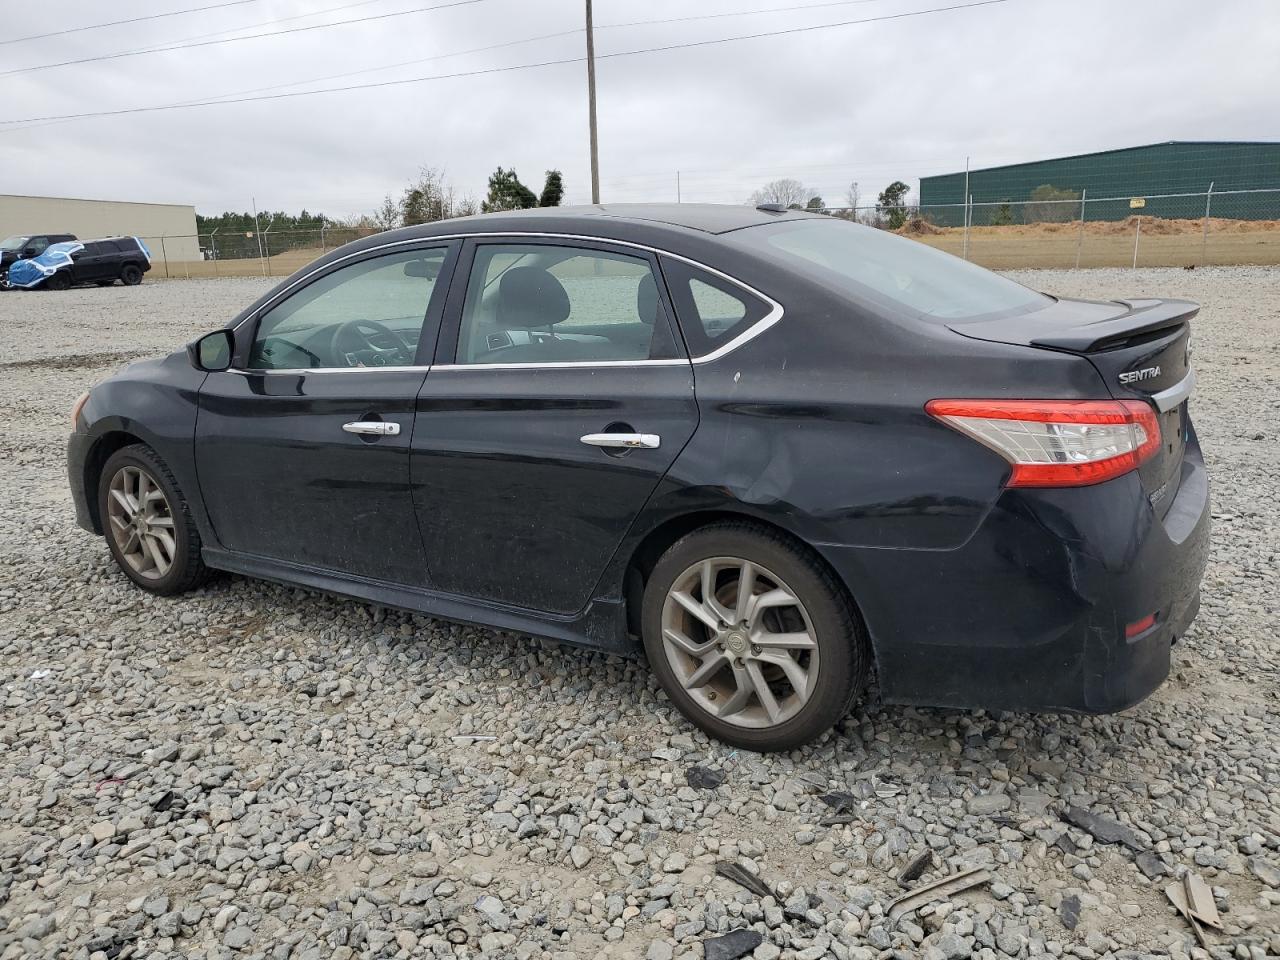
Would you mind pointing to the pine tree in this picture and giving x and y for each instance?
(552, 190)
(506, 192)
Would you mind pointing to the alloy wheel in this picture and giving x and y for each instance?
(141, 520)
(740, 642)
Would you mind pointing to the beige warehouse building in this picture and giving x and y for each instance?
(169, 229)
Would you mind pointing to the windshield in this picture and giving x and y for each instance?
(878, 265)
(13, 243)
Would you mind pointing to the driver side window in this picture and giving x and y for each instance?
(368, 314)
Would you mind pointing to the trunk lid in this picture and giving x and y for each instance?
(1140, 348)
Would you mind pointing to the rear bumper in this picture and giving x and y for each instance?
(1030, 613)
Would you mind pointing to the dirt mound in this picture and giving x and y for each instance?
(918, 227)
(1109, 228)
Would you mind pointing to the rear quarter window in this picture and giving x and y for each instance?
(712, 310)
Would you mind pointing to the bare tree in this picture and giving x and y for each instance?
(787, 192)
(386, 217)
(427, 199)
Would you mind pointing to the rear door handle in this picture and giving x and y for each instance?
(373, 428)
(628, 441)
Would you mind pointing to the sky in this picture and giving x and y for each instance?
(848, 102)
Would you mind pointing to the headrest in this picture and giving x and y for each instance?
(530, 297)
(647, 300)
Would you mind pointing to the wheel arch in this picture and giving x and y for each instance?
(656, 542)
(100, 452)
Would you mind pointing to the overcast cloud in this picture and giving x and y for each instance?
(1019, 80)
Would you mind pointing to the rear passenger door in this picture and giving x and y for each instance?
(559, 398)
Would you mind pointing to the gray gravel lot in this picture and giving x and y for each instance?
(257, 771)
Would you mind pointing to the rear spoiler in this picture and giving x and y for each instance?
(1143, 319)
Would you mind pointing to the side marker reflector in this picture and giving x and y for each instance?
(1140, 626)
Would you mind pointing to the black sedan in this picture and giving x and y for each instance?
(773, 449)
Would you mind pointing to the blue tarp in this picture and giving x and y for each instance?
(30, 273)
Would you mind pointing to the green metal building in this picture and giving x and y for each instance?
(1110, 178)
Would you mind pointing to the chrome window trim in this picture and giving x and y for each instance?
(760, 326)
(561, 365)
(1167, 400)
(297, 371)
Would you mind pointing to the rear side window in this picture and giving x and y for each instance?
(545, 303)
(712, 310)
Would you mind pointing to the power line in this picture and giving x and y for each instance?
(253, 36)
(252, 26)
(510, 68)
(118, 23)
(524, 40)
(739, 13)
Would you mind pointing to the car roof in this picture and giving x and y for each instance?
(711, 218)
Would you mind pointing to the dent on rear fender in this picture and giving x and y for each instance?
(829, 471)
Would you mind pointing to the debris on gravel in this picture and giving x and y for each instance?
(1103, 828)
(258, 771)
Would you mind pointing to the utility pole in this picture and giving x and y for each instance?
(677, 186)
(591, 103)
(257, 232)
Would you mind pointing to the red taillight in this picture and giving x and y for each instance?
(1058, 443)
(1140, 626)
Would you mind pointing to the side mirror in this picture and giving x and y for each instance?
(77, 255)
(212, 353)
(28, 253)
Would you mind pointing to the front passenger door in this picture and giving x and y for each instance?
(303, 446)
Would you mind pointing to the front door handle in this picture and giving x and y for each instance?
(627, 441)
(373, 428)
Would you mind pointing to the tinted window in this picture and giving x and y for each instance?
(712, 310)
(882, 266)
(538, 303)
(96, 248)
(38, 245)
(368, 314)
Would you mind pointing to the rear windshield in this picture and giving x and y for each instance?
(881, 266)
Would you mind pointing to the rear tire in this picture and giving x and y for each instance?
(58, 281)
(147, 523)
(131, 275)
(770, 673)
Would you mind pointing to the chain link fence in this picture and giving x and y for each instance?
(1173, 229)
(267, 253)
(1169, 230)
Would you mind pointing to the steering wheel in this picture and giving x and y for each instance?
(350, 337)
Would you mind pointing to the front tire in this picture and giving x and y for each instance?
(58, 281)
(147, 523)
(752, 637)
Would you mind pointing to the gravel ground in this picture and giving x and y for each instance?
(256, 771)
